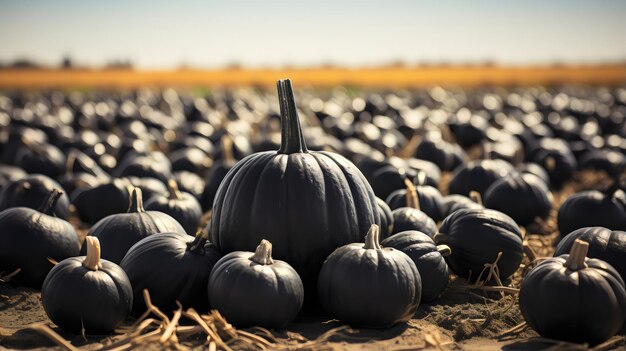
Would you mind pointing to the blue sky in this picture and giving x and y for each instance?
(166, 34)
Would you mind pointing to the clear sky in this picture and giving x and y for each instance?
(166, 34)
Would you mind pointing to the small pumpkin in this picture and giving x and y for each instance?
(369, 286)
(593, 208)
(555, 156)
(454, 202)
(29, 237)
(119, 232)
(430, 199)
(87, 293)
(253, 289)
(574, 298)
(604, 244)
(173, 268)
(411, 217)
(523, 197)
(42, 158)
(31, 192)
(183, 207)
(478, 237)
(478, 175)
(103, 200)
(428, 258)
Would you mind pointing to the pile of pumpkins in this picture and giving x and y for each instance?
(298, 229)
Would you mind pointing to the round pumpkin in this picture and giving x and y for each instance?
(574, 298)
(430, 200)
(31, 192)
(478, 175)
(253, 289)
(183, 207)
(106, 199)
(369, 286)
(87, 293)
(477, 237)
(306, 203)
(411, 217)
(173, 268)
(428, 258)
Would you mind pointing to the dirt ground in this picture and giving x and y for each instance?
(462, 319)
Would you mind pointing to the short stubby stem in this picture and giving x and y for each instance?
(263, 253)
(92, 260)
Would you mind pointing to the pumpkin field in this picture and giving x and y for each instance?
(484, 217)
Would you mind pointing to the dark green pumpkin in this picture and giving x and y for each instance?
(476, 237)
(574, 298)
(119, 232)
(604, 244)
(369, 286)
(253, 289)
(306, 203)
(87, 293)
(172, 267)
(29, 237)
(428, 258)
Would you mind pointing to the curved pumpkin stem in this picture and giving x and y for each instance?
(372, 239)
(227, 149)
(292, 140)
(48, 205)
(577, 255)
(444, 250)
(92, 260)
(412, 200)
(263, 253)
(475, 195)
(172, 187)
(197, 244)
(136, 201)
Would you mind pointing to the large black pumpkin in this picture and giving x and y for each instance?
(428, 258)
(593, 208)
(476, 237)
(119, 232)
(523, 197)
(183, 207)
(172, 267)
(306, 203)
(29, 237)
(367, 285)
(31, 192)
(604, 244)
(86, 293)
(574, 298)
(253, 289)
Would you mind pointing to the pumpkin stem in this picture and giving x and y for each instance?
(172, 187)
(48, 205)
(412, 200)
(263, 253)
(475, 195)
(550, 163)
(292, 140)
(372, 238)
(69, 164)
(577, 255)
(421, 178)
(92, 260)
(444, 250)
(197, 244)
(227, 149)
(487, 150)
(136, 201)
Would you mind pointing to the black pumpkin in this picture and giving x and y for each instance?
(522, 197)
(478, 176)
(217, 173)
(536, 169)
(386, 218)
(31, 192)
(366, 285)
(593, 208)
(411, 217)
(190, 183)
(477, 237)
(307, 203)
(41, 158)
(29, 237)
(454, 202)
(574, 298)
(604, 244)
(103, 200)
(430, 200)
(183, 207)
(86, 293)
(173, 268)
(150, 187)
(428, 258)
(253, 289)
(9, 174)
(153, 165)
(555, 156)
(612, 162)
(119, 232)
(190, 159)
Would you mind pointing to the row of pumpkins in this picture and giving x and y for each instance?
(366, 261)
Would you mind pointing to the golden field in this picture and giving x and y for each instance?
(318, 77)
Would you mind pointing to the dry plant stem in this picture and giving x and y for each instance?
(172, 187)
(52, 335)
(614, 341)
(409, 149)
(412, 200)
(530, 253)
(514, 330)
(171, 326)
(7, 278)
(92, 260)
